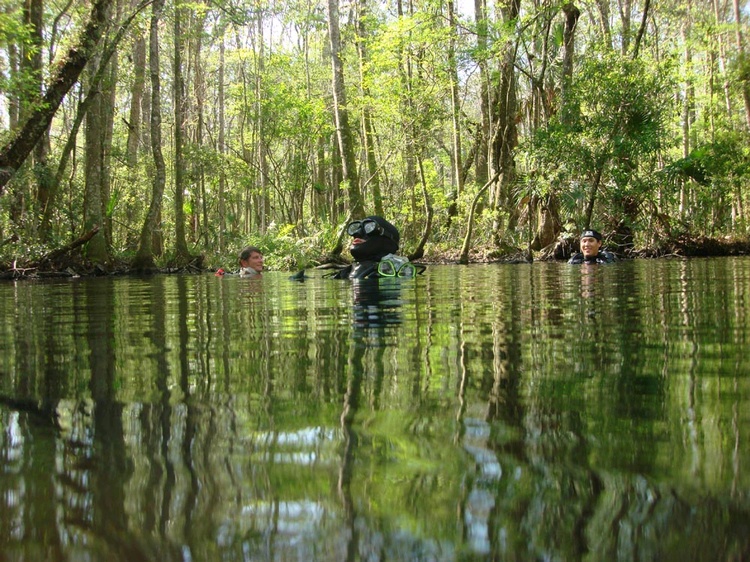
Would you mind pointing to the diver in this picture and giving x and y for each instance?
(591, 252)
(374, 245)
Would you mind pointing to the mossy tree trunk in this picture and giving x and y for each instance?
(144, 259)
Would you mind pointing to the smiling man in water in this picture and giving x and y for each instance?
(591, 252)
(251, 262)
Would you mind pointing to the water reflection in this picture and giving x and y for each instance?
(472, 413)
(376, 304)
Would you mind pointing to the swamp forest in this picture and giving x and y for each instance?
(145, 134)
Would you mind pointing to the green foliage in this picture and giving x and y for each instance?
(740, 67)
(283, 248)
(621, 110)
(112, 204)
(727, 159)
(623, 104)
(20, 82)
(713, 173)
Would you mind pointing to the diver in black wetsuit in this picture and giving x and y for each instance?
(591, 252)
(374, 245)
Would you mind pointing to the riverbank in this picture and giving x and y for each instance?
(71, 264)
(684, 247)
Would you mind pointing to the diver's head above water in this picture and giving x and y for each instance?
(372, 238)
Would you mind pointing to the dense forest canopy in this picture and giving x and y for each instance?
(172, 129)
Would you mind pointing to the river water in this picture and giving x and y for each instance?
(486, 412)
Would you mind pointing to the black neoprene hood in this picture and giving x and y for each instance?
(376, 246)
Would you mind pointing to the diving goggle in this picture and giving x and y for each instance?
(398, 268)
(367, 227)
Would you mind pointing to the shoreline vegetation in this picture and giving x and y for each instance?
(487, 132)
(69, 261)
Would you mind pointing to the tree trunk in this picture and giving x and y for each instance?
(741, 53)
(723, 61)
(687, 109)
(200, 209)
(341, 114)
(482, 159)
(429, 213)
(263, 207)
(99, 127)
(14, 65)
(319, 199)
(221, 149)
(317, 144)
(604, 24)
(181, 249)
(93, 207)
(455, 103)
(15, 152)
(135, 129)
(505, 137)
(548, 227)
(589, 214)
(109, 98)
(136, 99)
(571, 20)
(42, 171)
(368, 129)
(625, 7)
(642, 28)
(144, 259)
(466, 246)
(145, 129)
(410, 156)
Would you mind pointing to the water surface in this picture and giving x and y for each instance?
(486, 412)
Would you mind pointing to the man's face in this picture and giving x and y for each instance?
(255, 261)
(590, 246)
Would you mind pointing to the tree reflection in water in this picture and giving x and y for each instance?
(515, 413)
(375, 307)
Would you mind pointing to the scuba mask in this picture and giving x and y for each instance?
(391, 268)
(398, 266)
(366, 228)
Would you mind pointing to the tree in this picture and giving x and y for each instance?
(483, 128)
(571, 21)
(15, 152)
(144, 258)
(455, 101)
(35, 11)
(82, 109)
(181, 249)
(623, 105)
(137, 88)
(271, 136)
(341, 114)
(200, 210)
(745, 72)
(505, 135)
(368, 129)
(221, 148)
(96, 177)
(99, 125)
